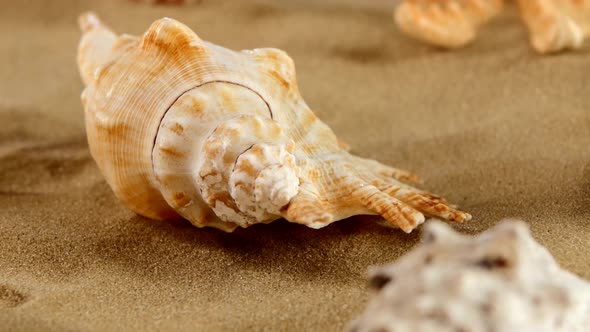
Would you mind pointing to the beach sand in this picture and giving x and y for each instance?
(493, 127)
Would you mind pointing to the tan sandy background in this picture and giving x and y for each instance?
(493, 127)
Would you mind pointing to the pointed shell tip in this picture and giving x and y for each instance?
(88, 20)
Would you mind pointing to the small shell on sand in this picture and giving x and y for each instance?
(501, 280)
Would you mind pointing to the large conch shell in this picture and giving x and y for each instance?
(445, 23)
(554, 25)
(182, 127)
(501, 280)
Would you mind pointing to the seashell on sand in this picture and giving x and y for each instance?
(556, 25)
(181, 127)
(501, 280)
(445, 23)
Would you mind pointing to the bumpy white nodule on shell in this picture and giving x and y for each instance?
(501, 280)
(182, 127)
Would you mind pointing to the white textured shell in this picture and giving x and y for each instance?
(501, 280)
(182, 127)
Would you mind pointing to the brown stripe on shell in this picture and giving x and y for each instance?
(247, 167)
(165, 32)
(193, 105)
(177, 128)
(113, 131)
(279, 77)
(171, 151)
(181, 200)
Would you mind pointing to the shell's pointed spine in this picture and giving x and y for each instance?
(95, 46)
(167, 32)
(88, 21)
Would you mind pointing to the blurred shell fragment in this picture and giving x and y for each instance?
(445, 23)
(556, 25)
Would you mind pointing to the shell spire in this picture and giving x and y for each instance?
(95, 47)
(181, 127)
